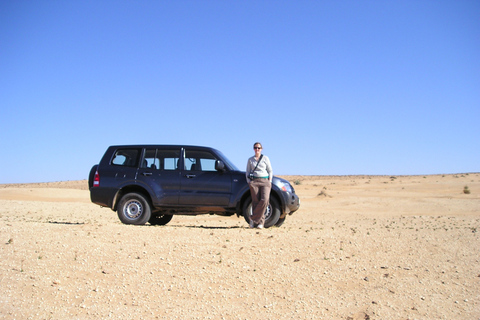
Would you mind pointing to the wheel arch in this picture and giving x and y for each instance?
(128, 189)
(273, 193)
(277, 197)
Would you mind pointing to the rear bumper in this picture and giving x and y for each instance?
(102, 196)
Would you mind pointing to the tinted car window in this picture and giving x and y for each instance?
(160, 159)
(199, 161)
(168, 159)
(126, 157)
(150, 160)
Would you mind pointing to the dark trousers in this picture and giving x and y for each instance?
(260, 191)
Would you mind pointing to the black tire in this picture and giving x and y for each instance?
(159, 219)
(133, 208)
(280, 222)
(271, 215)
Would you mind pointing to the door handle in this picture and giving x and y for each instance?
(147, 173)
(190, 176)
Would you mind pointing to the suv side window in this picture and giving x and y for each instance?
(126, 157)
(151, 160)
(161, 159)
(199, 161)
(169, 158)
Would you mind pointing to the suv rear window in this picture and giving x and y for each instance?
(126, 157)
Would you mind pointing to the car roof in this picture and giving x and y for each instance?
(161, 146)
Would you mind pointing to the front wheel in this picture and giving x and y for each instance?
(280, 222)
(272, 214)
(133, 208)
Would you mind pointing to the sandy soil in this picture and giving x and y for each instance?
(360, 247)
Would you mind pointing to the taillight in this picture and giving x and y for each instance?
(96, 179)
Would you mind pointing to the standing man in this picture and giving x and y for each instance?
(259, 177)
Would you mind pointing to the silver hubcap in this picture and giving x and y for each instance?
(133, 209)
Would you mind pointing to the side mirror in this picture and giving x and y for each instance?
(219, 165)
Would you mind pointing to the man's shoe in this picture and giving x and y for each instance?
(260, 226)
(251, 224)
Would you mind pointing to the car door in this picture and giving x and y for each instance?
(159, 172)
(201, 184)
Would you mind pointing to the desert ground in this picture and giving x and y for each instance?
(360, 247)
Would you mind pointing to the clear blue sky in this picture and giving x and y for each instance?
(328, 87)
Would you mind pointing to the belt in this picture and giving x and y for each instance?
(260, 177)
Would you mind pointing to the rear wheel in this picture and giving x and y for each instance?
(271, 214)
(159, 219)
(133, 208)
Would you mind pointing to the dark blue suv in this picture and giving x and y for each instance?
(151, 183)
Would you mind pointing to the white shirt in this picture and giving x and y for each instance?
(264, 168)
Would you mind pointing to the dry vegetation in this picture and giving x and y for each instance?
(360, 247)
